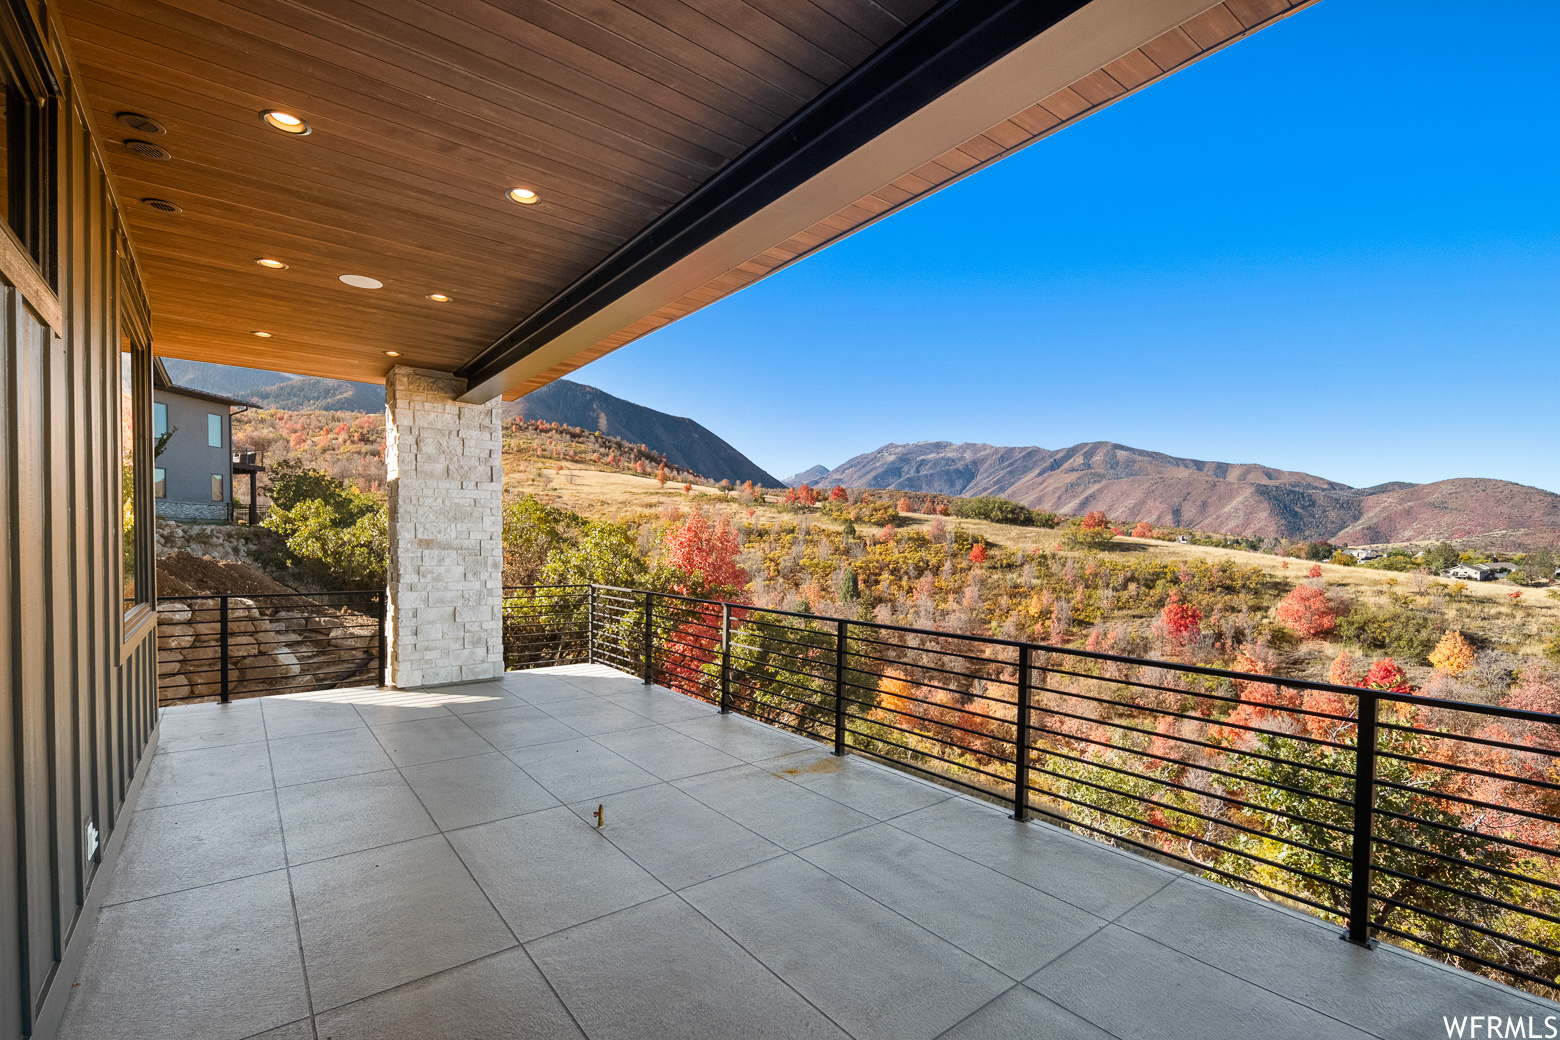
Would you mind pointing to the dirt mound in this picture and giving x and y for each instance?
(181, 574)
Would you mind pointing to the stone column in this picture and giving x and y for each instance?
(446, 479)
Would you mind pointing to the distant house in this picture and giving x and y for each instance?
(1181, 539)
(1363, 554)
(192, 478)
(1470, 572)
(1501, 570)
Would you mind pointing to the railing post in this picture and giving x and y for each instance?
(725, 658)
(222, 643)
(1021, 739)
(590, 626)
(384, 656)
(841, 637)
(649, 628)
(1364, 819)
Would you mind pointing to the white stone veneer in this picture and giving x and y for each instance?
(445, 470)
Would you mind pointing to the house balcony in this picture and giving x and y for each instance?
(370, 863)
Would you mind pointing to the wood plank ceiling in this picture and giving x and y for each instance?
(423, 116)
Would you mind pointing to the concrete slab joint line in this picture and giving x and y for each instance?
(445, 502)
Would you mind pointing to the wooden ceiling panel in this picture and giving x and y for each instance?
(424, 112)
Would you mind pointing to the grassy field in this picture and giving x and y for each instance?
(1519, 627)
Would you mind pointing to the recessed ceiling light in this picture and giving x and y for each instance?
(438, 297)
(275, 265)
(392, 353)
(524, 196)
(286, 122)
(262, 335)
(362, 281)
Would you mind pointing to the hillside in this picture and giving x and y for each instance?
(1247, 499)
(684, 442)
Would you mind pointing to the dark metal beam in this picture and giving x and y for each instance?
(952, 42)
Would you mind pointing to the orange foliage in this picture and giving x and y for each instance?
(1143, 530)
(978, 554)
(1307, 611)
(1453, 654)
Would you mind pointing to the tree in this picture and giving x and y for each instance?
(1308, 611)
(838, 494)
(1386, 675)
(1180, 622)
(978, 553)
(850, 587)
(1453, 655)
(995, 510)
(708, 553)
(1344, 670)
(330, 525)
(904, 505)
(660, 475)
(1314, 572)
(1343, 559)
(1441, 556)
(1143, 530)
(1092, 532)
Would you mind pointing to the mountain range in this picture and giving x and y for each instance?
(1132, 484)
(684, 442)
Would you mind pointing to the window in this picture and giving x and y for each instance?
(159, 420)
(216, 487)
(135, 380)
(214, 430)
(26, 115)
(159, 483)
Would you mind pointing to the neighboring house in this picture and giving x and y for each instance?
(1363, 554)
(1181, 539)
(192, 478)
(1470, 572)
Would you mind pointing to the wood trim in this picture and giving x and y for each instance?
(19, 269)
(140, 622)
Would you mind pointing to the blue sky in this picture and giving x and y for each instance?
(1332, 247)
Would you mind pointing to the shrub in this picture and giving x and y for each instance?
(1395, 629)
(996, 510)
(1386, 675)
(1453, 654)
(330, 525)
(1143, 530)
(1343, 559)
(1308, 611)
(1092, 532)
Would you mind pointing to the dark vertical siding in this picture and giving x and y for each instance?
(80, 701)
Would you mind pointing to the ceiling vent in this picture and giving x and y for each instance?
(148, 150)
(162, 205)
(141, 124)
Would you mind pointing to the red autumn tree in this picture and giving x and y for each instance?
(978, 554)
(1344, 670)
(1143, 530)
(707, 552)
(1386, 675)
(1095, 521)
(687, 488)
(1308, 612)
(1315, 571)
(888, 533)
(904, 506)
(660, 475)
(838, 494)
(1180, 622)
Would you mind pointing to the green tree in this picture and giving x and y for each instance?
(331, 526)
(994, 509)
(1441, 556)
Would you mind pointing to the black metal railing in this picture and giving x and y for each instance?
(1434, 824)
(237, 646)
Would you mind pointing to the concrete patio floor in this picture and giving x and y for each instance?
(389, 865)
